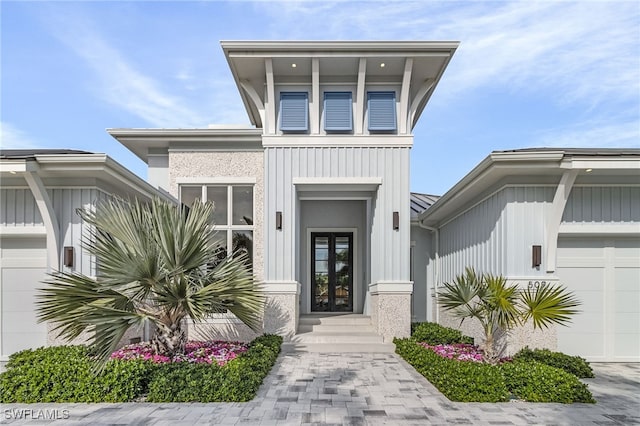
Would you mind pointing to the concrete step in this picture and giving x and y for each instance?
(333, 337)
(336, 319)
(336, 328)
(339, 348)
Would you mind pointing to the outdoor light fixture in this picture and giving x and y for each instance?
(396, 221)
(382, 65)
(293, 65)
(68, 256)
(279, 221)
(589, 170)
(536, 256)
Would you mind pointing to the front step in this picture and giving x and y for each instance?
(373, 348)
(337, 333)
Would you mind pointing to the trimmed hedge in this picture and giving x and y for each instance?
(467, 381)
(435, 334)
(537, 382)
(64, 374)
(571, 364)
(238, 380)
(457, 380)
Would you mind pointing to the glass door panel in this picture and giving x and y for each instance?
(332, 272)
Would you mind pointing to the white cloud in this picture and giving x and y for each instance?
(580, 51)
(117, 81)
(610, 134)
(13, 138)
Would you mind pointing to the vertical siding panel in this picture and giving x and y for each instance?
(616, 205)
(19, 207)
(3, 206)
(11, 213)
(634, 205)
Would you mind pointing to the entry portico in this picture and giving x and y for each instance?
(327, 163)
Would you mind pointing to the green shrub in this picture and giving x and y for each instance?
(458, 380)
(571, 364)
(435, 334)
(64, 374)
(238, 380)
(537, 382)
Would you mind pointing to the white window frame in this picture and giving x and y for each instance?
(229, 227)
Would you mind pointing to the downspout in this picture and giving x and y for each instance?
(436, 265)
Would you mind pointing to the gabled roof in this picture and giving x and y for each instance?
(536, 164)
(75, 164)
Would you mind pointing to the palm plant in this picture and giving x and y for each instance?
(500, 307)
(156, 264)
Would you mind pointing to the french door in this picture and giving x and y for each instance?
(332, 271)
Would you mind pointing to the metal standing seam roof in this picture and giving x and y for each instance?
(420, 203)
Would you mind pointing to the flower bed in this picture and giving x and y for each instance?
(460, 352)
(457, 351)
(210, 372)
(219, 352)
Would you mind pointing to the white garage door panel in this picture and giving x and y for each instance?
(23, 268)
(604, 273)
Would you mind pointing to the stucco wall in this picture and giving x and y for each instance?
(238, 164)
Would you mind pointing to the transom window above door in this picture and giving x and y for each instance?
(232, 216)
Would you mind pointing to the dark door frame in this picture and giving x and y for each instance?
(331, 270)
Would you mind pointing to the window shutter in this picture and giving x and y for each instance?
(294, 111)
(382, 111)
(337, 111)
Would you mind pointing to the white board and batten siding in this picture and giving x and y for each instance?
(23, 258)
(496, 234)
(284, 164)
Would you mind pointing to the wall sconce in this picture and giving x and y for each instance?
(68, 257)
(536, 256)
(279, 221)
(396, 221)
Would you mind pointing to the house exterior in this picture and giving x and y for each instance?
(316, 191)
(567, 216)
(318, 188)
(40, 231)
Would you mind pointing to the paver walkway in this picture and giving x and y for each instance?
(358, 389)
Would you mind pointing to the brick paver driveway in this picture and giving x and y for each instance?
(358, 389)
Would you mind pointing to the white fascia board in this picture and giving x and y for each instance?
(93, 164)
(538, 162)
(140, 141)
(311, 48)
(604, 163)
(16, 166)
(392, 141)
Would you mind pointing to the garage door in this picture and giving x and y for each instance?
(23, 264)
(604, 273)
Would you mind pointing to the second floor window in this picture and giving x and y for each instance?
(338, 115)
(294, 111)
(381, 107)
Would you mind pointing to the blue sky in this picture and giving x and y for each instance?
(554, 74)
